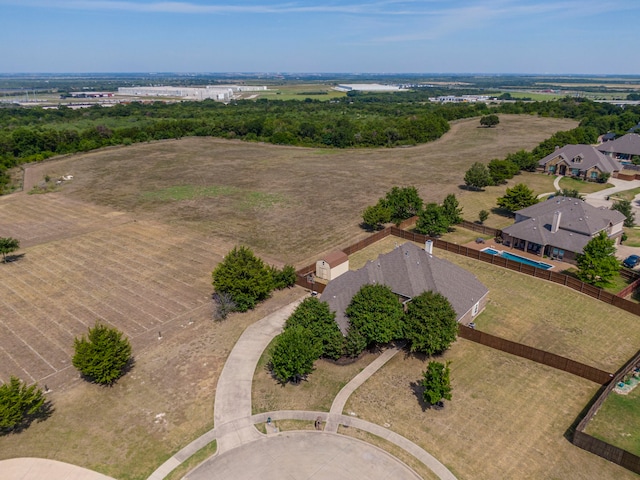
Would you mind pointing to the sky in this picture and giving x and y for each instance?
(347, 36)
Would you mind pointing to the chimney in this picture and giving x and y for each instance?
(428, 247)
(556, 221)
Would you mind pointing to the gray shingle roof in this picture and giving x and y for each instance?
(579, 221)
(629, 144)
(590, 157)
(409, 271)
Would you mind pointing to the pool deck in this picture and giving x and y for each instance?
(557, 265)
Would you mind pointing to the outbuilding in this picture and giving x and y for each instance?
(332, 265)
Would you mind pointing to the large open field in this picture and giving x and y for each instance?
(132, 240)
(287, 203)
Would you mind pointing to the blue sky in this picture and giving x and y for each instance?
(386, 36)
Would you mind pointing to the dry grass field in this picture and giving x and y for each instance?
(132, 241)
(507, 418)
(287, 203)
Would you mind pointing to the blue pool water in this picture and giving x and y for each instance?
(517, 258)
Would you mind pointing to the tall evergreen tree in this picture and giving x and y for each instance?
(103, 355)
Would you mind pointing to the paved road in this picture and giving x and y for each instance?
(41, 468)
(304, 456)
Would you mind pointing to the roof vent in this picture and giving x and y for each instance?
(406, 254)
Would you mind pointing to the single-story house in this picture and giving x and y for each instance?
(409, 271)
(582, 161)
(622, 148)
(332, 265)
(560, 227)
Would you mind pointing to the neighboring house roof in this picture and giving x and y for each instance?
(629, 144)
(583, 157)
(607, 137)
(579, 222)
(335, 258)
(409, 271)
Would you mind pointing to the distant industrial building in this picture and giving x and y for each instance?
(221, 93)
(367, 87)
(461, 99)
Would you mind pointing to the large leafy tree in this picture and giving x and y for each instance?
(403, 203)
(477, 177)
(502, 170)
(436, 381)
(524, 160)
(432, 221)
(375, 216)
(490, 120)
(244, 277)
(451, 209)
(375, 314)
(430, 323)
(8, 245)
(19, 404)
(518, 197)
(102, 355)
(597, 264)
(320, 322)
(624, 207)
(294, 352)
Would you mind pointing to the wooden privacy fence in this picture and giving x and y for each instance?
(535, 354)
(483, 229)
(560, 278)
(599, 447)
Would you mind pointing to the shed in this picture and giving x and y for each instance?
(332, 265)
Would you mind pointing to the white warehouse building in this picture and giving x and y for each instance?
(222, 94)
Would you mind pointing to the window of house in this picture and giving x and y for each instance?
(594, 174)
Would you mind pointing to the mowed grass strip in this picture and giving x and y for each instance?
(507, 418)
(582, 186)
(618, 421)
(316, 393)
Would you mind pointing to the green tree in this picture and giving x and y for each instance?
(430, 323)
(518, 197)
(477, 177)
(243, 276)
(570, 192)
(19, 404)
(320, 322)
(376, 314)
(8, 245)
(597, 264)
(284, 278)
(432, 221)
(490, 120)
(436, 381)
(375, 216)
(502, 170)
(482, 216)
(524, 160)
(103, 355)
(403, 203)
(451, 209)
(294, 352)
(624, 207)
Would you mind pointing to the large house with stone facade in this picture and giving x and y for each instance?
(622, 149)
(409, 271)
(580, 161)
(561, 227)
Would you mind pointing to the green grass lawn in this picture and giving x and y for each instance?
(626, 194)
(582, 186)
(618, 421)
(633, 237)
(472, 202)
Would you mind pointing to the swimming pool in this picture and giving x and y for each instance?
(517, 258)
